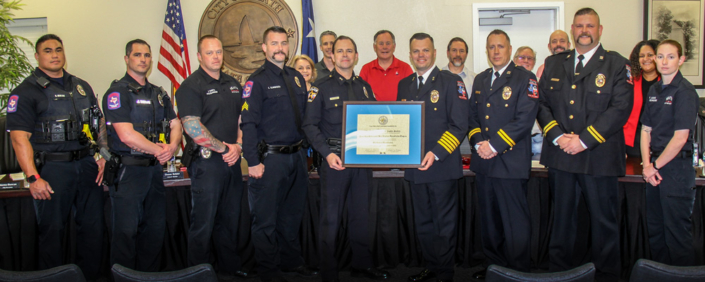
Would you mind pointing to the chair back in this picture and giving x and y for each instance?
(69, 272)
(648, 270)
(584, 273)
(198, 273)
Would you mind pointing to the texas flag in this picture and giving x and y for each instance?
(308, 46)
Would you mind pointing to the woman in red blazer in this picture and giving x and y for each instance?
(645, 74)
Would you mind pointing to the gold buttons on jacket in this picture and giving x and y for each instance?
(573, 86)
(488, 105)
(570, 116)
(487, 129)
(572, 102)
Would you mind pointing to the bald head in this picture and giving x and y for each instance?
(558, 42)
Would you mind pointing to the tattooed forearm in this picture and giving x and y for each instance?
(138, 150)
(102, 135)
(200, 134)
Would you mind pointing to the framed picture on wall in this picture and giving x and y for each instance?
(683, 21)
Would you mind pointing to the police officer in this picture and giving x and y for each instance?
(503, 108)
(340, 186)
(586, 98)
(434, 185)
(209, 104)
(140, 117)
(667, 134)
(272, 112)
(51, 116)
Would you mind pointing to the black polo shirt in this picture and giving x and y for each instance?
(267, 112)
(216, 102)
(669, 108)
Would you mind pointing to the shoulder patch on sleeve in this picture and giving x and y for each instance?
(533, 90)
(12, 103)
(462, 93)
(629, 74)
(114, 101)
(312, 93)
(248, 89)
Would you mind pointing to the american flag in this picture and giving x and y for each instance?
(173, 54)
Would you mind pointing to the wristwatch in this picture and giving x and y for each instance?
(655, 167)
(33, 178)
(227, 149)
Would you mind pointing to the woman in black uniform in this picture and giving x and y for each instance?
(668, 122)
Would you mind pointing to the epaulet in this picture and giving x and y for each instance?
(324, 79)
(259, 70)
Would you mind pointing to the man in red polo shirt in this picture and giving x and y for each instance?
(385, 72)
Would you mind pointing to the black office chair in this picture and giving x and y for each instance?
(69, 272)
(8, 160)
(199, 273)
(585, 273)
(647, 270)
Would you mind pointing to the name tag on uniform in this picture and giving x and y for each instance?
(653, 99)
(211, 92)
(59, 96)
(274, 87)
(334, 98)
(143, 102)
(555, 79)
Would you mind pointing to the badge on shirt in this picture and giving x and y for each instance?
(462, 94)
(435, 96)
(114, 101)
(296, 78)
(600, 80)
(248, 89)
(669, 100)
(312, 93)
(629, 75)
(507, 93)
(80, 90)
(12, 103)
(533, 90)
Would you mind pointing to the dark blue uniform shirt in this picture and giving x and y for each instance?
(267, 112)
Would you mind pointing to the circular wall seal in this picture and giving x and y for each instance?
(240, 26)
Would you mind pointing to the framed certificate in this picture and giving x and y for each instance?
(383, 134)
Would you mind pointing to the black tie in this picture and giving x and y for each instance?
(579, 67)
(496, 76)
(351, 94)
(418, 92)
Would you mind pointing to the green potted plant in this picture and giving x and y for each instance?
(14, 64)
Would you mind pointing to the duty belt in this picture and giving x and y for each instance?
(138, 161)
(681, 154)
(67, 156)
(284, 149)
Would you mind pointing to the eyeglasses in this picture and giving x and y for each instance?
(528, 58)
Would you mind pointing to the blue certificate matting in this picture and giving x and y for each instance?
(414, 110)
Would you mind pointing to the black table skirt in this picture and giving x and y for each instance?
(393, 236)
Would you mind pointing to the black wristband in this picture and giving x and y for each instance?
(227, 149)
(655, 167)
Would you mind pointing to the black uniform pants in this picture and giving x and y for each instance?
(77, 194)
(506, 226)
(348, 188)
(277, 203)
(668, 209)
(216, 198)
(436, 217)
(139, 217)
(601, 194)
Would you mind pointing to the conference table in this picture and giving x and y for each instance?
(392, 236)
